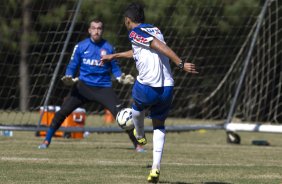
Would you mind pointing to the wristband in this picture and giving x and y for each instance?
(180, 65)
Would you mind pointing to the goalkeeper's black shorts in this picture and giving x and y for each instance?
(82, 93)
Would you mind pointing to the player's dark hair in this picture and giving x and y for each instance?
(135, 12)
(96, 19)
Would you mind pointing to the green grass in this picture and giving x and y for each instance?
(189, 158)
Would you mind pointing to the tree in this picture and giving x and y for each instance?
(18, 36)
(24, 46)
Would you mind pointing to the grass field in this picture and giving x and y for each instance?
(197, 157)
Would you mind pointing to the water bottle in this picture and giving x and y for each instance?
(7, 133)
(86, 134)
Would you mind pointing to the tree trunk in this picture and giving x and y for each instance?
(24, 45)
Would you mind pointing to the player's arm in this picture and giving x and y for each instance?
(69, 78)
(106, 58)
(121, 77)
(167, 51)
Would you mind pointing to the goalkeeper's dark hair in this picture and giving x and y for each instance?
(135, 11)
(96, 19)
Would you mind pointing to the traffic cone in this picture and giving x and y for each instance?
(108, 117)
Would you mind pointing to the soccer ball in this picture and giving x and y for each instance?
(124, 119)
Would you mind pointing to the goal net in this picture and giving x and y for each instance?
(260, 98)
(213, 34)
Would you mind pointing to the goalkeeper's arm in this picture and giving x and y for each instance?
(72, 68)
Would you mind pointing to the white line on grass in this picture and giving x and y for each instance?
(23, 159)
(131, 162)
(107, 162)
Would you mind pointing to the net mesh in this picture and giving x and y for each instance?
(214, 34)
(260, 98)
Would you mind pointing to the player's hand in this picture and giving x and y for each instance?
(126, 79)
(106, 58)
(68, 80)
(190, 68)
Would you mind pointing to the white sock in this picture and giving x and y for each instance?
(138, 120)
(158, 146)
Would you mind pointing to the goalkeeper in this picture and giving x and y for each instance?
(94, 81)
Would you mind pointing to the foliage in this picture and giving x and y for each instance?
(182, 16)
(54, 16)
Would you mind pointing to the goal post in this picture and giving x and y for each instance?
(257, 98)
(52, 82)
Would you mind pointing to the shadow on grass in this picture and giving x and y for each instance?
(122, 148)
(176, 182)
(214, 182)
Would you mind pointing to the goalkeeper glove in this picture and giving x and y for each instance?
(125, 79)
(68, 80)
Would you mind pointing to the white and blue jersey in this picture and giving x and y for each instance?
(154, 86)
(153, 67)
(85, 61)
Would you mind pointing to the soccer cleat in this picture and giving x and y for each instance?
(154, 176)
(141, 141)
(140, 149)
(44, 145)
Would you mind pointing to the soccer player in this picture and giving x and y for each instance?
(94, 81)
(153, 89)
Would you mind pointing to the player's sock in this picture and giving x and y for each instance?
(50, 134)
(158, 145)
(138, 120)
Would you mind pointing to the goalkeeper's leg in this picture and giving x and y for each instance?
(108, 98)
(70, 104)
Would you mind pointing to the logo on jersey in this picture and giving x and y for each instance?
(86, 52)
(72, 56)
(154, 30)
(103, 52)
(92, 62)
(137, 38)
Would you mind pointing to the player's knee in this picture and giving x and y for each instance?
(58, 120)
(137, 107)
(158, 124)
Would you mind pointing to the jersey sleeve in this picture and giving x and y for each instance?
(74, 62)
(139, 37)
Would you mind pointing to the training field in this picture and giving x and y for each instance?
(190, 157)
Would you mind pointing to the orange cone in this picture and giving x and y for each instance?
(108, 117)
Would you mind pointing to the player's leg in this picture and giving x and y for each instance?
(143, 96)
(71, 102)
(158, 145)
(159, 113)
(108, 98)
(138, 116)
(158, 142)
